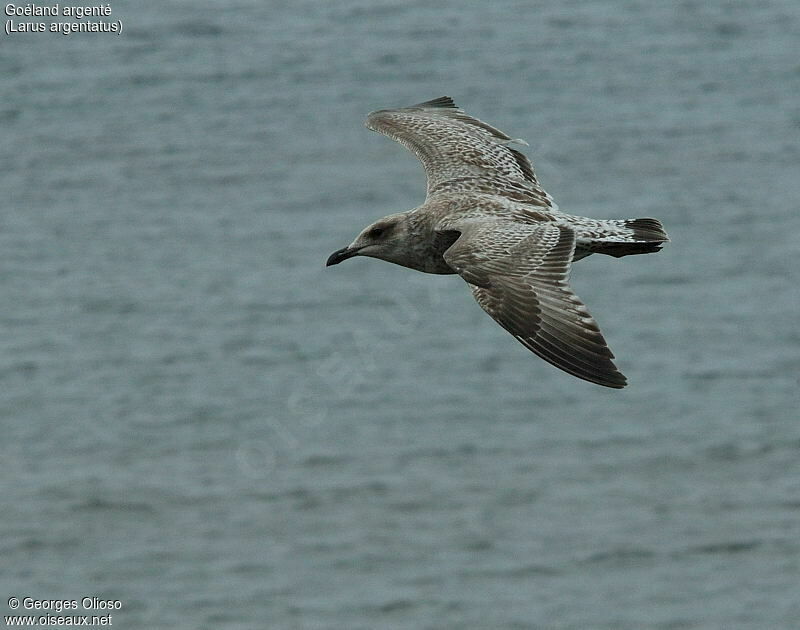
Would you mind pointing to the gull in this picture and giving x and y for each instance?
(487, 219)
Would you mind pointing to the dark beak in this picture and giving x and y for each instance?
(339, 255)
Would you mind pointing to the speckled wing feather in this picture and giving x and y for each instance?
(461, 153)
(519, 275)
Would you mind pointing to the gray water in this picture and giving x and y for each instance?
(201, 421)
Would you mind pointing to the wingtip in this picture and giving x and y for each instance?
(620, 383)
(612, 380)
(442, 101)
(608, 377)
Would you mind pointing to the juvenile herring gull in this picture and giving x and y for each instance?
(486, 218)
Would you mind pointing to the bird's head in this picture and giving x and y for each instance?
(384, 239)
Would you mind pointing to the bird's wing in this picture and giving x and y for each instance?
(461, 153)
(519, 274)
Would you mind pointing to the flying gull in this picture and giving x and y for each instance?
(487, 218)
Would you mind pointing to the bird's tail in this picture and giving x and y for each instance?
(637, 236)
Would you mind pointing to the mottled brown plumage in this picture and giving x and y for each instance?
(487, 219)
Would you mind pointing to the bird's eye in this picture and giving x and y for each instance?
(376, 232)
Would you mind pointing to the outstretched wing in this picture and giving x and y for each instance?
(519, 275)
(461, 153)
